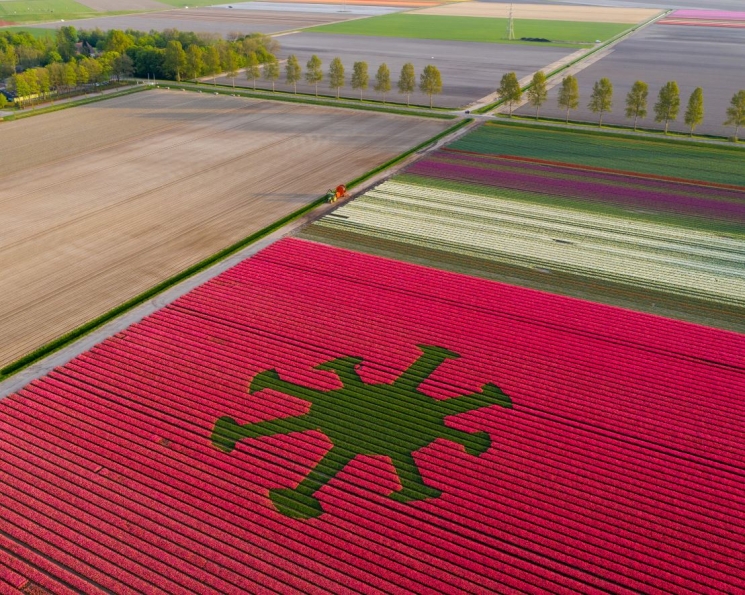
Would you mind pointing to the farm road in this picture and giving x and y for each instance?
(704, 57)
(91, 220)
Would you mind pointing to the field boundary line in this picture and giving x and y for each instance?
(136, 88)
(323, 100)
(58, 352)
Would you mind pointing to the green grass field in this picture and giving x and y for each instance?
(420, 26)
(723, 165)
(33, 31)
(25, 11)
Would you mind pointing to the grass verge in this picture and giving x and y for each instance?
(310, 100)
(92, 325)
(85, 101)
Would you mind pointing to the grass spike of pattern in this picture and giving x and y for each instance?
(420, 421)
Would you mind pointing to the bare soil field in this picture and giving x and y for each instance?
(210, 20)
(469, 70)
(553, 12)
(703, 57)
(101, 202)
(112, 5)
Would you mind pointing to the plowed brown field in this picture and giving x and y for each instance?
(99, 203)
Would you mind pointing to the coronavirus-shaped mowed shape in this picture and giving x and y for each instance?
(393, 420)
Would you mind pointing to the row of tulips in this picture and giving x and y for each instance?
(616, 471)
(659, 257)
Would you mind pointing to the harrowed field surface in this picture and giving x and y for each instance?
(93, 218)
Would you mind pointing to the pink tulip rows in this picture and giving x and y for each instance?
(618, 469)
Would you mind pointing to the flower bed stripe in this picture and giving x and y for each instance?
(618, 469)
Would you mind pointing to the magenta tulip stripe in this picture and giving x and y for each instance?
(623, 190)
(492, 439)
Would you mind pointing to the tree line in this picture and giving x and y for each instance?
(430, 79)
(74, 59)
(666, 108)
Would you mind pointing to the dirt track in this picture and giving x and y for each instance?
(99, 203)
(590, 14)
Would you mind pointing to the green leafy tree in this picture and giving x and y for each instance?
(271, 70)
(736, 112)
(70, 78)
(8, 62)
(668, 104)
(194, 61)
(292, 72)
(695, 111)
(94, 69)
(636, 101)
(175, 59)
(122, 66)
(212, 62)
(509, 90)
(118, 41)
(67, 37)
(231, 65)
(601, 99)
(360, 77)
(407, 81)
(538, 92)
(19, 84)
(336, 75)
(56, 76)
(42, 76)
(313, 72)
(382, 80)
(252, 68)
(430, 82)
(569, 95)
(32, 81)
(82, 76)
(3, 101)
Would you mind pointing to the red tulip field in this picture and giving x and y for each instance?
(318, 420)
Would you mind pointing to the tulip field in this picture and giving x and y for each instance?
(320, 420)
(621, 222)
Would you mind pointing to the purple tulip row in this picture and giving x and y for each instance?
(593, 188)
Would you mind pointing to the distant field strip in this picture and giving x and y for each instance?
(706, 18)
(467, 28)
(594, 14)
(91, 220)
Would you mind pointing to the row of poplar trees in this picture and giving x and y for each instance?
(430, 80)
(666, 108)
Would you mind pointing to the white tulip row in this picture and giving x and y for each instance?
(661, 257)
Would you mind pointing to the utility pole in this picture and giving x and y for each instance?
(510, 26)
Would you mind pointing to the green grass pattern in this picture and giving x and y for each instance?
(489, 30)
